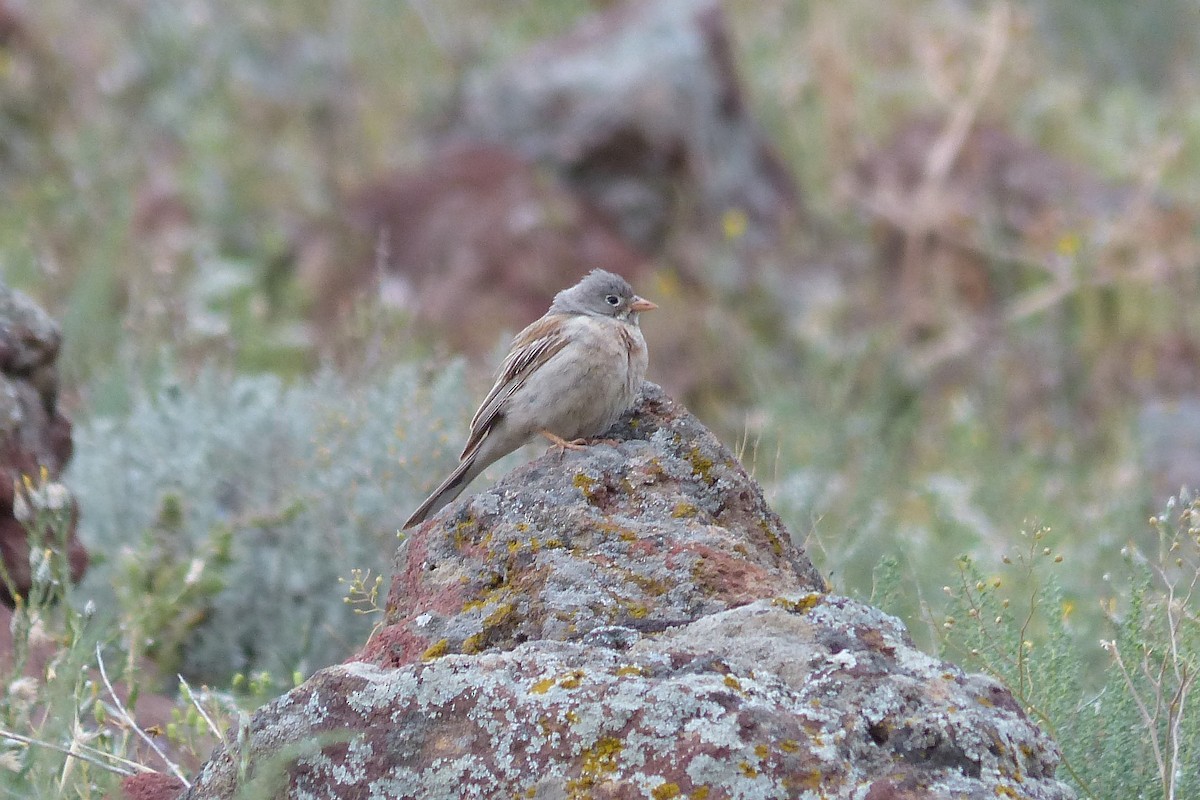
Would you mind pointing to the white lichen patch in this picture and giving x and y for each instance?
(378, 688)
(316, 710)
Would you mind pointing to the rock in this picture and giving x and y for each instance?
(661, 529)
(34, 434)
(633, 621)
(640, 109)
(480, 230)
(476, 228)
(29, 338)
(151, 786)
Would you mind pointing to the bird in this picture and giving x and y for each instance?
(567, 377)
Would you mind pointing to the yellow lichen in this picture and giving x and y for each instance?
(627, 670)
(585, 484)
(436, 650)
(684, 509)
(807, 781)
(595, 763)
(462, 533)
(572, 679)
(761, 750)
(747, 770)
(699, 793)
(542, 686)
(789, 745)
(772, 537)
(665, 791)
(701, 465)
(801, 606)
(498, 617)
(603, 756)
(733, 683)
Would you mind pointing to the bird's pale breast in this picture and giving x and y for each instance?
(584, 388)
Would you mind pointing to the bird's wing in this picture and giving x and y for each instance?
(531, 348)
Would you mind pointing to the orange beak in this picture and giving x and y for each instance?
(642, 304)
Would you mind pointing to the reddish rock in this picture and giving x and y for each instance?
(152, 786)
(477, 229)
(632, 621)
(35, 436)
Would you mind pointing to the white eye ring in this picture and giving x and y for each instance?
(613, 300)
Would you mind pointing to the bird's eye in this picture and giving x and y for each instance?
(613, 300)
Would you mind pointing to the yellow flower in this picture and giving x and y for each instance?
(734, 223)
(1069, 244)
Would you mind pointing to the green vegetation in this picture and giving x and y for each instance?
(229, 508)
(159, 159)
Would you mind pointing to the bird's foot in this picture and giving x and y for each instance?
(562, 445)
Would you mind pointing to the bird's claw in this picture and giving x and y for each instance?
(562, 445)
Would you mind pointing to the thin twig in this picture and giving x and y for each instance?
(1147, 718)
(28, 740)
(132, 723)
(119, 759)
(948, 145)
(191, 696)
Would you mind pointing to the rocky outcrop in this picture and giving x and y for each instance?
(641, 109)
(633, 621)
(35, 436)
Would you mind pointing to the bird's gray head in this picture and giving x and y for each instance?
(601, 294)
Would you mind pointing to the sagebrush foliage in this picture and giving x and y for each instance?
(1130, 728)
(234, 504)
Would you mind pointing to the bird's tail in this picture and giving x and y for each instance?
(463, 474)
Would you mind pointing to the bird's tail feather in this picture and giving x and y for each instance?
(462, 475)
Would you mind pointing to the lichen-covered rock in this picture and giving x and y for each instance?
(34, 434)
(632, 621)
(660, 528)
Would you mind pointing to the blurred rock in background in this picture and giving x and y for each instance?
(640, 108)
(629, 138)
(476, 241)
(35, 436)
